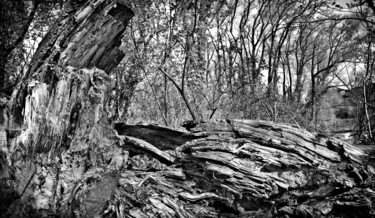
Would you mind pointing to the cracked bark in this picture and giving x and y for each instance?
(245, 168)
(61, 157)
(56, 141)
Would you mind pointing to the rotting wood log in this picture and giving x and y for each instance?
(61, 157)
(245, 168)
(159, 136)
(138, 144)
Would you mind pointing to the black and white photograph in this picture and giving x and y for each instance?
(187, 108)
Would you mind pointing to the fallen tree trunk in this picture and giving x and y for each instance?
(244, 168)
(61, 157)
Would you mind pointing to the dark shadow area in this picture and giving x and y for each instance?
(161, 137)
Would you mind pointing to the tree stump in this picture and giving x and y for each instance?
(54, 132)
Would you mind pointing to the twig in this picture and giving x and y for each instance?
(366, 111)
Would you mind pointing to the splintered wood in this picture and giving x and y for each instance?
(243, 168)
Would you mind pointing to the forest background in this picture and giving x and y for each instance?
(258, 59)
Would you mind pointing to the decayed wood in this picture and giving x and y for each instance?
(63, 158)
(245, 168)
(84, 37)
(141, 145)
(161, 137)
(59, 144)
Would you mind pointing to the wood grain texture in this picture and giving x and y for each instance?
(246, 168)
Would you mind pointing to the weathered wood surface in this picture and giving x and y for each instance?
(55, 137)
(244, 168)
(161, 137)
(61, 157)
(228, 168)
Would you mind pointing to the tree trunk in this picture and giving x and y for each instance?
(241, 168)
(56, 140)
(60, 157)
